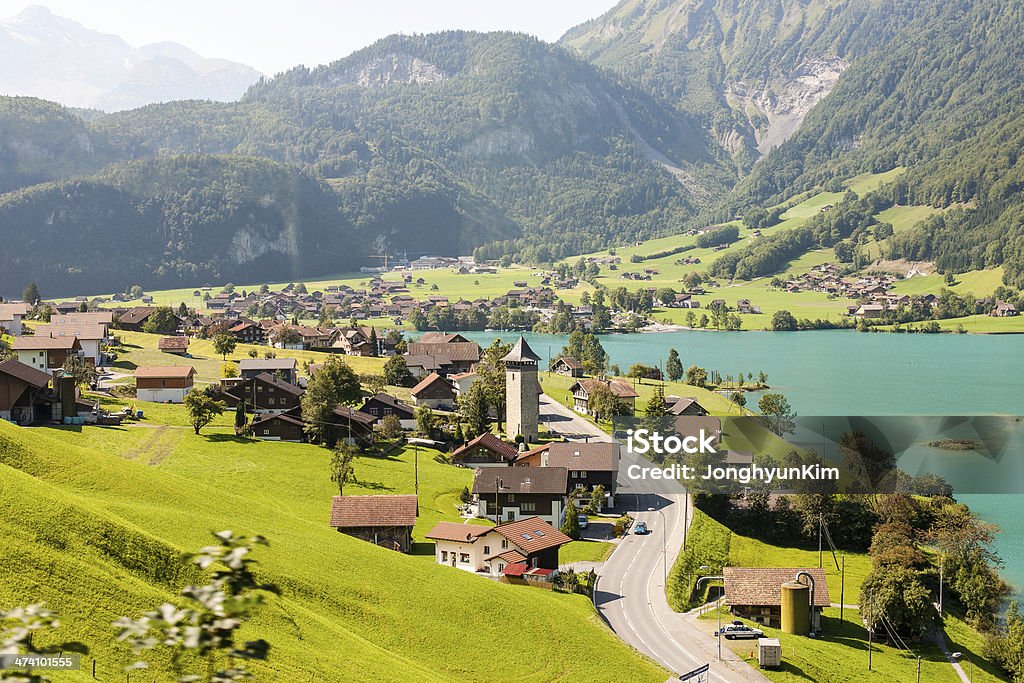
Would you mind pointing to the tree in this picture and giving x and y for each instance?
(674, 367)
(696, 376)
(135, 292)
(604, 404)
(738, 399)
(779, 416)
(571, 525)
(895, 597)
(473, 410)
(596, 501)
(208, 626)
(83, 373)
(224, 344)
(374, 342)
(228, 370)
(333, 384)
(490, 373)
(30, 294)
(182, 310)
(391, 427)
(161, 321)
(396, 372)
(343, 466)
(253, 353)
(425, 421)
(783, 321)
(202, 408)
(240, 417)
(640, 371)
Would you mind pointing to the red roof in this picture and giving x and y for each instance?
(515, 569)
(532, 534)
(369, 511)
(453, 531)
(165, 372)
(492, 443)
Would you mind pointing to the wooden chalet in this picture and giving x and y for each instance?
(386, 521)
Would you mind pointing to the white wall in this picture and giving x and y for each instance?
(162, 395)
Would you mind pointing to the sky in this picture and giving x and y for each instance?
(275, 35)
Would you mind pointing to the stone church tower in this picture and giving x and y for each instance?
(522, 391)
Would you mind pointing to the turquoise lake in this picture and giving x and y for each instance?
(842, 372)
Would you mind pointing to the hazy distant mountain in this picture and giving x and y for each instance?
(59, 59)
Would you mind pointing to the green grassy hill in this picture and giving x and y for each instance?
(93, 524)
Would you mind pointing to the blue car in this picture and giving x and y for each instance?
(640, 529)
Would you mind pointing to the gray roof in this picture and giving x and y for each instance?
(521, 353)
(266, 364)
(542, 480)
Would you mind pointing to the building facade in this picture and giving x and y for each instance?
(522, 392)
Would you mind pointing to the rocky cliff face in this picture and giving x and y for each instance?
(777, 107)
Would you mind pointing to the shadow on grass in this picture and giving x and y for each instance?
(229, 438)
(373, 485)
(423, 549)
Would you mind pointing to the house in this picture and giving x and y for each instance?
(25, 396)
(264, 393)
(568, 366)
(45, 353)
(1003, 310)
(164, 384)
(90, 338)
(386, 521)
(755, 593)
(511, 493)
(135, 318)
(869, 311)
(433, 391)
(248, 332)
(589, 464)
(104, 318)
(463, 382)
(421, 366)
(486, 450)
(176, 346)
(11, 317)
(459, 356)
(582, 389)
(351, 425)
(684, 406)
(382, 405)
(521, 551)
(279, 427)
(285, 368)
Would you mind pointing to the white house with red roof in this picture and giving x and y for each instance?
(524, 549)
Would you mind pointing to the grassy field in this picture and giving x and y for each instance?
(557, 387)
(840, 653)
(585, 551)
(93, 521)
(142, 350)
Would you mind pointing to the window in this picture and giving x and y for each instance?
(528, 507)
(487, 550)
(511, 497)
(464, 558)
(580, 486)
(373, 411)
(266, 432)
(444, 555)
(575, 474)
(510, 516)
(387, 411)
(583, 475)
(504, 543)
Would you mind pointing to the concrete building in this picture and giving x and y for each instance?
(522, 391)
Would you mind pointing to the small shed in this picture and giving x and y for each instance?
(769, 653)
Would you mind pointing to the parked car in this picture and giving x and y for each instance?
(640, 529)
(734, 631)
(583, 521)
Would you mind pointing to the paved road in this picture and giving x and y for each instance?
(631, 585)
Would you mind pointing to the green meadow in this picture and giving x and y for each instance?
(93, 522)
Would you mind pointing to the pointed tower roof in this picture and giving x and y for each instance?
(521, 353)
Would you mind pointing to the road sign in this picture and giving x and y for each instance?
(698, 675)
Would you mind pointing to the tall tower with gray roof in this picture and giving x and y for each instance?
(522, 391)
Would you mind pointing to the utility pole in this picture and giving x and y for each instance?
(416, 467)
(842, 589)
(497, 504)
(819, 539)
(919, 669)
(871, 630)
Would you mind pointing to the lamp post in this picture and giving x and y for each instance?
(722, 579)
(664, 545)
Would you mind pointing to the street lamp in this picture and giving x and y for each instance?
(664, 545)
(722, 579)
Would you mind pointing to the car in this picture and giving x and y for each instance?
(734, 631)
(640, 529)
(583, 521)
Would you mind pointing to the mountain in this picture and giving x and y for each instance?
(750, 69)
(933, 87)
(61, 60)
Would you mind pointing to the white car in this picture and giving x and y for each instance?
(736, 631)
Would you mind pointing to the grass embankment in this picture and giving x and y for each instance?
(585, 551)
(93, 520)
(839, 654)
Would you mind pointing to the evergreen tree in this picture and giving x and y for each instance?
(674, 367)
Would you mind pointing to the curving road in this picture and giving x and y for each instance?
(630, 591)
